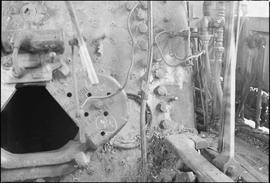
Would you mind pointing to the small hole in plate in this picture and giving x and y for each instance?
(86, 114)
(106, 113)
(69, 94)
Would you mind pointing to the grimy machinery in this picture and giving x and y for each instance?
(93, 85)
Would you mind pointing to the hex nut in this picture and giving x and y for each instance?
(141, 15)
(159, 73)
(162, 107)
(164, 124)
(129, 6)
(161, 91)
(142, 28)
(142, 44)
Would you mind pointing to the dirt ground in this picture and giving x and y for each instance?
(111, 164)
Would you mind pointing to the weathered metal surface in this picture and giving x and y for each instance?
(59, 156)
(128, 137)
(7, 90)
(37, 172)
(104, 26)
(39, 41)
(99, 123)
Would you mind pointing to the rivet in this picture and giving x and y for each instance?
(141, 15)
(129, 6)
(142, 28)
(162, 107)
(161, 91)
(164, 124)
(142, 44)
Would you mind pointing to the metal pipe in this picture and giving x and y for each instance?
(84, 54)
(219, 49)
(260, 83)
(74, 78)
(145, 88)
(64, 154)
(226, 141)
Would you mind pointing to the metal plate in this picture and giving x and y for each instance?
(39, 74)
(7, 90)
(93, 122)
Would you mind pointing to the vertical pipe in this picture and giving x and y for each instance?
(226, 141)
(219, 49)
(205, 37)
(260, 78)
(144, 89)
(258, 106)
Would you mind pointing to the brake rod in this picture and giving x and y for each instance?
(83, 51)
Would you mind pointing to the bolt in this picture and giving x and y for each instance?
(229, 171)
(144, 5)
(162, 107)
(52, 56)
(141, 15)
(161, 91)
(108, 169)
(142, 28)
(129, 6)
(18, 72)
(159, 73)
(164, 124)
(142, 44)
(7, 62)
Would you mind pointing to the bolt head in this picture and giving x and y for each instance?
(161, 91)
(142, 28)
(144, 5)
(141, 15)
(143, 44)
(129, 6)
(230, 171)
(159, 73)
(164, 124)
(162, 107)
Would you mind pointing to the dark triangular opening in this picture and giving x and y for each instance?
(33, 121)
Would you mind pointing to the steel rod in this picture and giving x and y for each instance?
(144, 88)
(84, 54)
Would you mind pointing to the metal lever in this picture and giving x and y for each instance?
(17, 71)
(84, 54)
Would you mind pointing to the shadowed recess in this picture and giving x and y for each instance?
(33, 121)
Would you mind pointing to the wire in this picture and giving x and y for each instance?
(186, 58)
(130, 67)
